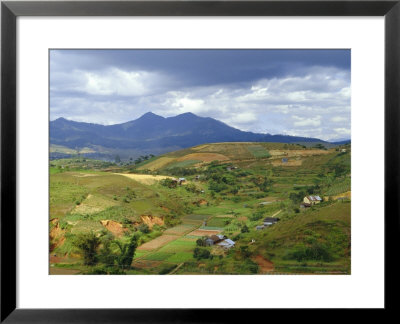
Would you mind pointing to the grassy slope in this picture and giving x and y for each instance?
(225, 211)
(328, 224)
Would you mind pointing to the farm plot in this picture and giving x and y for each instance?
(205, 232)
(93, 204)
(258, 151)
(156, 164)
(180, 245)
(157, 242)
(181, 257)
(145, 264)
(194, 219)
(339, 187)
(204, 157)
(180, 229)
(158, 256)
(146, 179)
(219, 222)
(183, 164)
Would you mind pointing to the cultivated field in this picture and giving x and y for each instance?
(230, 188)
(146, 179)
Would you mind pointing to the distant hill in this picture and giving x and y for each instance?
(151, 134)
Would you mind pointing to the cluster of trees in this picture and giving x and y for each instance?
(263, 183)
(142, 158)
(169, 183)
(201, 253)
(97, 249)
(191, 187)
(317, 251)
(296, 197)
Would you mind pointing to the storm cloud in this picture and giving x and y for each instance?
(293, 92)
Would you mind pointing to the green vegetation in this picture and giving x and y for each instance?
(102, 222)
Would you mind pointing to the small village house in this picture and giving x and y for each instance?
(181, 181)
(214, 239)
(220, 240)
(285, 160)
(312, 200)
(270, 221)
(226, 244)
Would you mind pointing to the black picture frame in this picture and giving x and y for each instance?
(10, 10)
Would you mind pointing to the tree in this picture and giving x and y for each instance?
(88, 244)
(124, 260)
(117, 159)
(105, 254)
(244, 229)
(201, 242)
(167, 182)
(144, 228)
(201, 253)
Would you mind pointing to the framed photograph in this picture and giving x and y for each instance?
(157, 154)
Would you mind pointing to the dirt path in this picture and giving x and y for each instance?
(276, 213)
(264, 264)
(176, 269)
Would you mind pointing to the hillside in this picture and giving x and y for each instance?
(229, 189)
(149, 134)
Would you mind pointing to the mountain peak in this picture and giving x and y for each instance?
(150, 114)
(61, 120)
(188, 114)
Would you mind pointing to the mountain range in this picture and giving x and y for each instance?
(151, 134)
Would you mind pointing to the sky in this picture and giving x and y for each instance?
(291, 92)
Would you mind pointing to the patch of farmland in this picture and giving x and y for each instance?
(232, 150)
(157, 242)
(180, 229)
(180, 245)
(139, 254)
(205, 232)
(258, 151)
(225, 216)
(293, 162)
(218, 222)
(232, 228)
(158, 256)
(339, 188)
(86, 226)
(211, 228)
(63, 194)
(63, 271)
(93, 204)
(146, 179)
(156, 164)
(204, 157)
(180, 257)
(182, 164)
(145, 264)
(195, 218)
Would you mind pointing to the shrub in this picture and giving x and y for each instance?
(144, 228)
(317, 251)
(199, 253)
(201, 242)
(245, 229)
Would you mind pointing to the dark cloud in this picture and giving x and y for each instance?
(299, 92)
